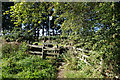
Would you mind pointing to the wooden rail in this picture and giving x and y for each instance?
(44, 50)
(85, 57)
(35, 46)
(86, 51)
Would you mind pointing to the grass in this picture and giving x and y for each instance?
(85, 72)
(76, 68)
(23, 65)
(29, 67)
(75, 74)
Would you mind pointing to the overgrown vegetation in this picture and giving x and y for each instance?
(82, 65)
(77, 67)
(19, 64)
(94, 27)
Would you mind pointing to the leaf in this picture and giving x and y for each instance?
(39, 22)
(4, 13)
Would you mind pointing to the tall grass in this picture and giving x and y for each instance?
(20, 64)
(76, 68)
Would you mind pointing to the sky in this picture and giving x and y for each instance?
(41, 30)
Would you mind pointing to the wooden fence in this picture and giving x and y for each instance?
(44, 50)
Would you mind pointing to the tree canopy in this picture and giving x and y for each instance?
(92, 25)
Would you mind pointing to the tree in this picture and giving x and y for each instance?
(93, 26)
(7, 25)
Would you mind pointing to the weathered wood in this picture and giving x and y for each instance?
(35, 46)
(86, 51)
(45, 51)
(51, 49)
(42, 52)
(35, 52)
(36, 49)
(79, 49)
(48, 43)
(53, 53)
(44, 55)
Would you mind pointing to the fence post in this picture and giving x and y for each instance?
(43, 52)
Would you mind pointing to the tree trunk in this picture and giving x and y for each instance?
(53, 32)
(56, 31)
(38, 34)
(34, 33)
(48, 31)
(43, 31)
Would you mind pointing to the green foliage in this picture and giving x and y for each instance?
(8, 50)
(93, 26)
(77, 68)
(72, 62)
(23, 47)
(29, 68)
(22, 65)
(7, 25)
(14, 34)
(86, 72)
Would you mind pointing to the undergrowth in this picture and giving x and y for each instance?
(76, 68)
(19, 64)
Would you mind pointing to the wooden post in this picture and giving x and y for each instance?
(54, 53)
(44, 54)
(11, 50)
(42, 50)
(58, 53)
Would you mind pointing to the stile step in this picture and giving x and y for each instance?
(35, 46)
(35, 52)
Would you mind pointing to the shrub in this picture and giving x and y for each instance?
(22, 65)
(30, 67)
(79, 67)
(9, 49)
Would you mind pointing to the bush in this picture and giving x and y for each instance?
(79, 67)
(29, 68)
(22, 65)
(9, 49)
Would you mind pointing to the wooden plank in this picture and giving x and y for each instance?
(35, 52)
(53, 53)
(86, 51)
(54, 47)
(51, 49)
(35, 46)
(79, 49)
(45, 51)
(42, 52)
(44, 55)
(49, 43)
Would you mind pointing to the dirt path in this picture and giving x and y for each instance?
(61, 71)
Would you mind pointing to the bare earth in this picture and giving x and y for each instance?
(61, 72)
